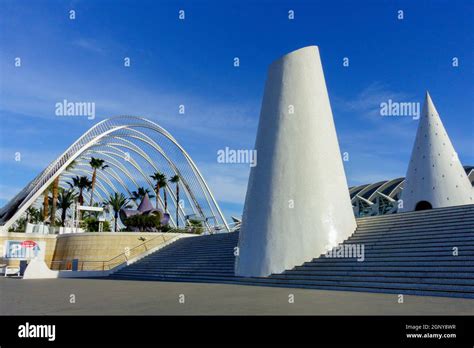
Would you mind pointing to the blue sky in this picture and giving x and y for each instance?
(190, 62)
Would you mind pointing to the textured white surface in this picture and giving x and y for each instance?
(299, 163)
(435, 173)
(37, 269)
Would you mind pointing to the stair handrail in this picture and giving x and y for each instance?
(128, 253)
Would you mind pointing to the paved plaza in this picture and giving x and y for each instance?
(120, 297)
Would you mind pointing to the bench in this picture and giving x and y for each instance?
(9, 270)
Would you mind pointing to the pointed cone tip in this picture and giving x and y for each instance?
(429, 105)
(427, 96)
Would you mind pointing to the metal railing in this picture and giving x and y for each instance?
(105, 265)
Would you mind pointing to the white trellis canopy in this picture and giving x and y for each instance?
(133, 148)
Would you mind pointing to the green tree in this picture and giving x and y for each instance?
(196, 226)
(81, 183)
(65, 199)
(18, 226)
(117, 201)
(96, 163)
(160, 182)
(140, 193)
(33, 215)
(55, 192)
(150, 222)
(91, 224)
(46, 200)
(175, 180)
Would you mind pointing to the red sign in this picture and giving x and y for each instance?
(28, 244)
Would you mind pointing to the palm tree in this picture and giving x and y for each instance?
(117, 201)
(160, 180)
(46, 201)
(65, 199)
(196, 226)
(56, 192)
(52, 218)
(33, 215)
(82, 183)
(175, 180)
(96, 163)
(140, 193)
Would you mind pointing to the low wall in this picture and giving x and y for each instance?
(38, 269)
(100, 246)
(91, 246)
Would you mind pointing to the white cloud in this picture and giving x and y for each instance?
(377, 134)
(228, 182)
(89, 45)
(35, 94)
(367, 102)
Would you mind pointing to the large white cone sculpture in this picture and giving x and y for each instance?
(435, 176)
(297, 203)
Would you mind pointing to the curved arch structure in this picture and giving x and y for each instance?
(383, 197)
(133, 148)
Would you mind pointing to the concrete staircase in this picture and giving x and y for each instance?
(203, 258)
(407, 253)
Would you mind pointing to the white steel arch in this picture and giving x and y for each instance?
(154, 149)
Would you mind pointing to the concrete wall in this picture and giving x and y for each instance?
(83, 246)
(96, 246)
(38, 269)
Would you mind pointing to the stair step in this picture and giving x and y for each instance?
(190, 261)
(384, 285)
(343, 284)
(439, 241)
(375, 253)
(398, 231)
(448, 211)
(297, 277)
(378, 279)
(192, 256)
(410, 274)
(409, 253)
(451, 236)
(436, 220)
(387, 268)
(399, 263)
(189, 269)
(424, 292)
(382, 258)
(195, 254)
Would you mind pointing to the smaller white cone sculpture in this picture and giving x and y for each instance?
(297, 204)
(435, 176)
